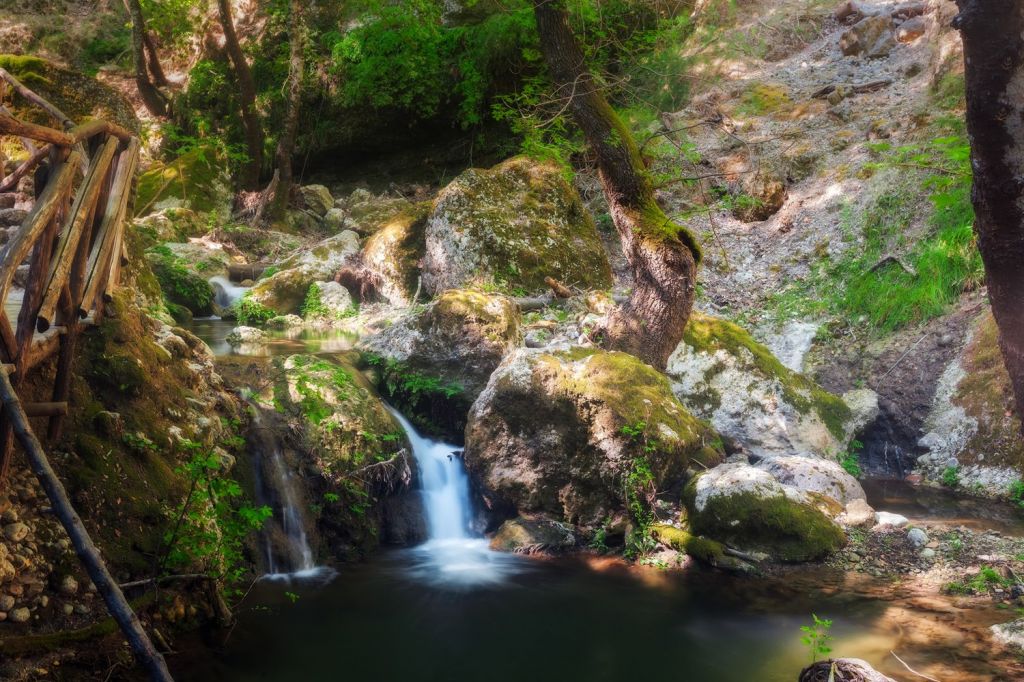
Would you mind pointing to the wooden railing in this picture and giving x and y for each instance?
(73, 243)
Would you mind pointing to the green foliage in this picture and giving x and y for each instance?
(250, 311)
(986, 579)
(864, 285)
(639, 492)
(951, 476)
(314, 308)
(112, 49)
(816, 637)
(1017, 492)
(850, 460)
(212, 523)
(179, 284)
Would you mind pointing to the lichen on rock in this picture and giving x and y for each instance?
(511, 226)
(557, 433)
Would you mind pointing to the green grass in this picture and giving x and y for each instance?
(855, 290)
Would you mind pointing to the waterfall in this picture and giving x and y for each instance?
(226, 292)
(286, 547)
(452, 555)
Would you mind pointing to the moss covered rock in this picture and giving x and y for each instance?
(366, 213)
(721, 374)
(353, 452)
(284, 292)
(746, 507)
(532, 534)
(460, 338)
(197, 180)
(558, 432)
(180, 284)
(394, 250)
(170, 225)
(512, 226)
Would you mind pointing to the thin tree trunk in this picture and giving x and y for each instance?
(993, 36)
(286, 143)
(247, 93)
(152, 98)
(662, 255)
(153, 59)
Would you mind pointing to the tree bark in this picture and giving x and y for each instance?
(662, 254)
(286, 143)
(993, 37)
(247, 93)
(152, 98)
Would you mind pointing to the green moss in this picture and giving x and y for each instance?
(434, 405)
(699, 548)
(29, 70)
(180, 285)
(763, 98)
(709, 334)
(195, 179)
(250, 311)
(788, 530)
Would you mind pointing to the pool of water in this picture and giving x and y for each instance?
(214, 332)
(941, 507)
(570, 620)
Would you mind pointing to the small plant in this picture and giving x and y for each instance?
(292, 596)
(816, 637)
(251, 311)
(850, 460)
(1017, 492)
(951, 477)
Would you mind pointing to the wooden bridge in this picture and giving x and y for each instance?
(72, 244)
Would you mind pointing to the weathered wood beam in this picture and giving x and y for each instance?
(67, 247)
(12, 126)
(86, 550)
(36, 99)
(17, 249)
(11, 181)
(106, 237)
(84, 131)
(45, 409)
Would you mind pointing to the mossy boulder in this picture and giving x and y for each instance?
(198, 180)
(558, 432)
(721, 374)
(79, 96)
(460, 338)
(746, 507)
(366, 213)
(317, 199)
(170, 225)
(512, 226)
(285, 291)
(179, 284)
(392, 253)
(533, 534)
(353, 452)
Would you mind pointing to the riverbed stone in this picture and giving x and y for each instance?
(16, 532)
(394, 250)
(68, 585)
(884, 518)
(558, 432)
(917, 537)
(532, 534)
(285, 291)
(747, 507)
(1010, 634)
(317, 199)
(511, 227)
(241, 336)
(460, 338)
(19, 615)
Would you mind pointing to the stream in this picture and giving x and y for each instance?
(451, 609)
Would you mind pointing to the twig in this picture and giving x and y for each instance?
(165, 579)
(905, 354)
(911, 670)
(885, 260)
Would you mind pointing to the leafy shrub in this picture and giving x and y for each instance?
(250, 311)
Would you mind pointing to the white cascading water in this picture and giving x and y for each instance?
(452, 554)
(226, 292)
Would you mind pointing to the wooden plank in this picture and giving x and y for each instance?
(12, 126)
(106, 237)
(84, 131)
(36, 99)
(15, 251)
(33, 295)
(11, 181)
(45, 409)
(67, 247)
(87, 552)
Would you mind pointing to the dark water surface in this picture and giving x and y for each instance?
(548, 621)
(942, 507)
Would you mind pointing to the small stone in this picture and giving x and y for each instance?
(9, 516)
(889, 519)
(20, 615)
(917, 537)
(68, 609)
(1016, 591)
(6, 602)
(68, 586)
(15, 532)
(927, 553)
(81, 609)
(911, 29)
(43, 601)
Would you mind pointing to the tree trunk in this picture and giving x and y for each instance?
(247, 93)
(152, 98)
(156, 70)
(286, 143)
(993, 36)
(662, 255)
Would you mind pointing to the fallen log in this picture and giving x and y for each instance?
(842, 670)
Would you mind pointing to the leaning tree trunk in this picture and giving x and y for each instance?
(152, 98)
(247, 93)
(993, 36)
(286, 142)
(662, 255)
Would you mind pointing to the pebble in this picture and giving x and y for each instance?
(20, 615)
(69, 585)
(6, 602)
(15, 532)
(889, 519)
(927, 553)
(68, 609)
(81, 609)
(917, 537)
